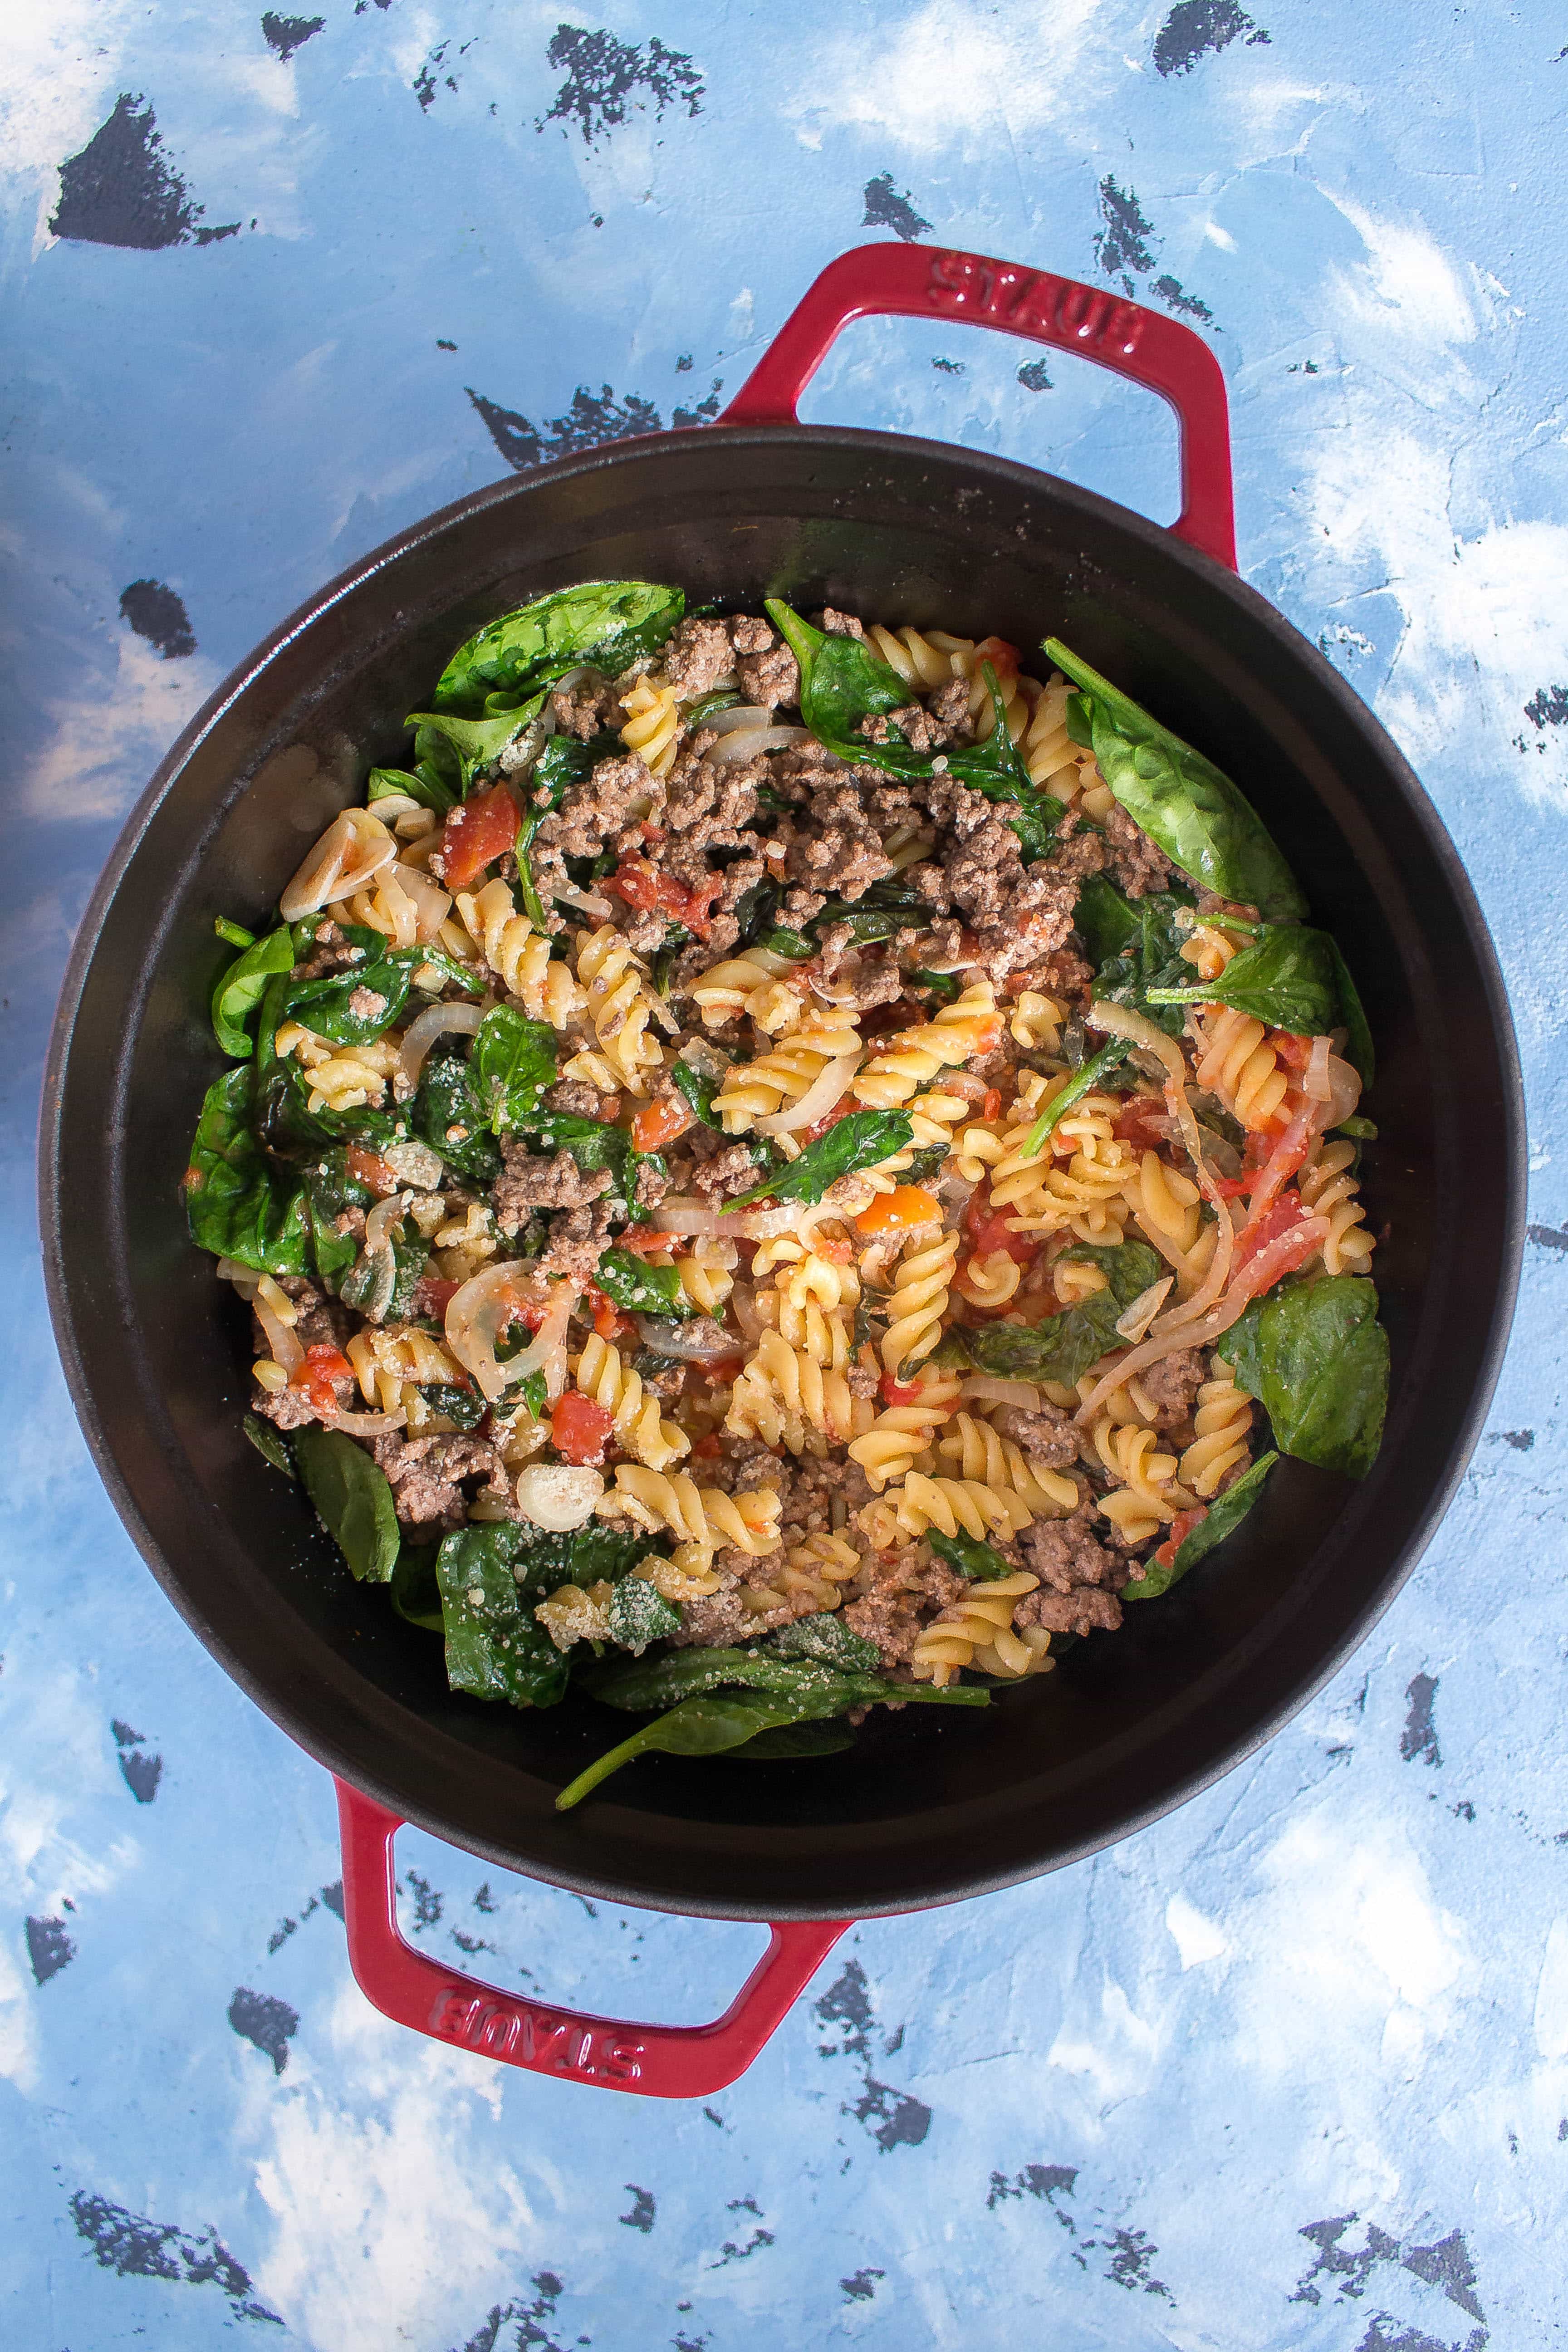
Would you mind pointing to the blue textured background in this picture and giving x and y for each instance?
(1291, 2068)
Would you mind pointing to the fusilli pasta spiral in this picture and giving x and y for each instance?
(599, 1373)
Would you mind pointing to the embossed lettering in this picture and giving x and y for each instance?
(1032, 301)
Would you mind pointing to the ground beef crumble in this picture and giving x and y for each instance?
(764, 664)
(531, 1181)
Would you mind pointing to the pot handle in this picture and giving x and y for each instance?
(920, 281)
(662, 2061)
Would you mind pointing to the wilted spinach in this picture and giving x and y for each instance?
(826, 1641)
(859, 1141)
(638, 1613)
(1316, 1358)
(244, 984)
(513, 1061)
(421, 785)
(609, 623)
(237, 1204)
(496, 1648)
(477, 743)
(270, 1444)
(353, 1500)
(1224, 1515)
(445, 1115)
(331, 1190)
(1149, 959)
(1185, 805)
(1288, 977)
(1083, 1081)
(1064, 1345)
(968, 1555)
(641, 1287)
(465, 1407)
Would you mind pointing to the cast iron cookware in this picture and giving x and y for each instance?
(924, 1808)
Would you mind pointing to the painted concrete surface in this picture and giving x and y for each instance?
(1292, 2068)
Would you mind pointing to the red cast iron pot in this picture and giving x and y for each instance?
(925, 1809)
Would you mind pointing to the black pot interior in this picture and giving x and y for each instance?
(925, 1807)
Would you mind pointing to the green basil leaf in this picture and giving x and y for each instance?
(496, 1649)
(640, 1613)
(237, 1205)
(1185, 805)
(421, 785)
(416, 1587)
(1287, 978)
(353, 1500)
(244, 984)
(1225, 1514)
(513, 1061)
(641, 1287)
(608, 622)
(827, 1640)
(859, 1141)
(270, 1444)
(1317, 1359)
(970, 1557)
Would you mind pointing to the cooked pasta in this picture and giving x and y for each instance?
(713, 1196)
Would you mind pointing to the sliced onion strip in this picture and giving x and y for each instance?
(367, 1424)
(282, 1345)
(436, 1021)
(745, 743)
(1315, 1079)
(1134, 1320)
(354, 846)
(993, 1390)
(825, 1093)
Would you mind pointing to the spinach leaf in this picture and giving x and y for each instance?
(477, 741)
(1083, 1081)
(283, 1120)
(1152, 965)
(569, 759)
(534, 1393)
(1107, 923)
(699, 1090)
(827, 1640)
(446, 1116)
(1359, 1129)
(923, 1164)
(326, 1006)
(465, 1407)
(1225, 1514)
(1185, 804)
(233, 934)
(244, 984)
(859, 1141)
(698, 1727)
(1358, 1051)
(235, 1205)
(609, 623)
(438, 766)
(793, 944)
(495, 1646)
(352, 1500)
(1316, 1357)
(642, 1288)
(270, 1444)
(687, 1674)
(368, 1287)
(754, 911)
(638, 1613)
(420, 784)
(1064, 1345)
(1288, 977)
(709, 706)
(513, 1061)
(330, 1190)
(793, 1743)
(945, 986)
(538, 1562)
(970, 1558)
(416, 1587)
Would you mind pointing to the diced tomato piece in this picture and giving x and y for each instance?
(660, 1122)
(898, 1391)
(1182, 1526)
(368, 1168)
(608, 1320)
(1285, 1212)
(476, 834)
(896, 1212)
(1279, 1241)
(580, 1430)
(323, 1364)
(1002, 656)
(433, 1295)
(990, 1230)
(643, 885)
(836, 1253)
(820, 1127)
(1293, 1051)
(707, 1449)
(1281, 1158)
(1142, 1121)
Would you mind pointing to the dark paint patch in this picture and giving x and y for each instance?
(1551, 1237)
(1125, 249)
(950, 367)
(1196, 28)
(1522, 1439)
(270, 2023)
(50, 1949)
(484, 1900)
(426, 1902)
(1035, 376)
(443, 345)
(157, 613)
(1444, 2264)
(644, 2209)
(862, 2287)
(1419, 1736)
(122, 190)
(530, 2318)
(901, 2120)
(1129, 2253)
(1464, 1810)
(704, 411)
(332, 1897)
(729, 2252)
(1042, 2180)
(715, 2117)
(885, 209)
(141, 1774)
(470, 1943)
(604, 77)
(848, 2002)
(133, 2247)
(287, 34)
(424, 84)
(894, 2118)
(1131, 2256)
(590, 421)
(1548, 707)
